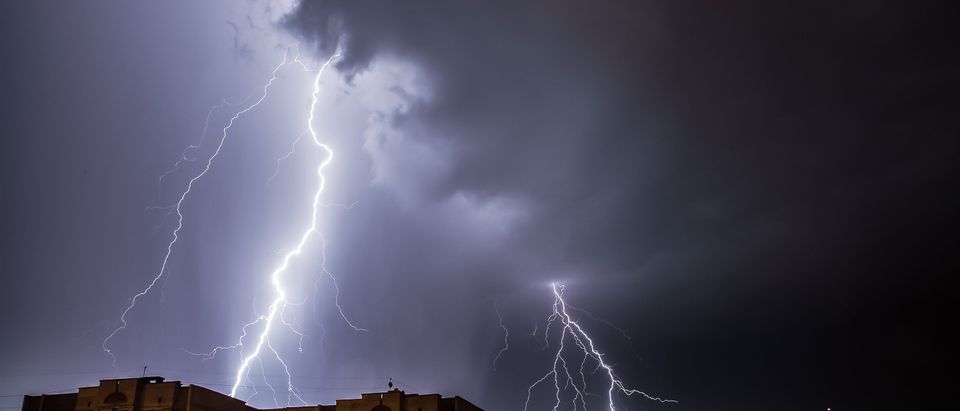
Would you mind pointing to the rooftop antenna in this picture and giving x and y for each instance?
(390, 384)
(144, 371)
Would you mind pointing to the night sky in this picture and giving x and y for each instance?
(761, 196)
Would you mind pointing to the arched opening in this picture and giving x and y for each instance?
(115, 398)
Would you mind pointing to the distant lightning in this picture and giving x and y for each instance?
(586, 346)
(266, 381)
(187, 155)
(178, 209)
(293, 147)
(292, 328)
(333, 279)
(622, 331)
(188, 152)
(506, 335)
(336, 296)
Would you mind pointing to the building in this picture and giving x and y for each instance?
(155, 394)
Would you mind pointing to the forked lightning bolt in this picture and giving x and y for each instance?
(280, 301)
(177, 209)
(586, 346)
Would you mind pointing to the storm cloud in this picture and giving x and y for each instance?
(715, 173)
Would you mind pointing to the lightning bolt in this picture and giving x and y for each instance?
(277, 309)
(506, 335)
(293, 149)
(178, 208)
(188, 152)
(323, 266)
(590, 315)
(280, 301)
(585, 345)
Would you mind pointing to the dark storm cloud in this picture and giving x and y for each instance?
(708, 158)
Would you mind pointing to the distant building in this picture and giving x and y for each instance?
(155, 394)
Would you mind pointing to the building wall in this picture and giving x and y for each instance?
(55, 402)
(428, 402)
(308, 408)
(460, 404)
(202, 399)
(395, 400)
(158, 397)
(368, 401)
(87, 398)
(154, 394)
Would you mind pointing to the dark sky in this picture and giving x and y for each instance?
(760, 194)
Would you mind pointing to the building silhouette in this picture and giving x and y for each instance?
(155, 394)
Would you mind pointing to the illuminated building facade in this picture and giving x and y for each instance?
(155, 394)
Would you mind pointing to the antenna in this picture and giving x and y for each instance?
(144, 371)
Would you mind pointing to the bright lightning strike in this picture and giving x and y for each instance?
(178, 210)
(280, 301)
(586, 346)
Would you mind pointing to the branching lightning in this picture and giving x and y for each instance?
(570, 330)
(188, 154)
(280, 301)
(585, 345)
(262, 325)
(179, 212)
(336, 288)
(622, 331)
(293, 147)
